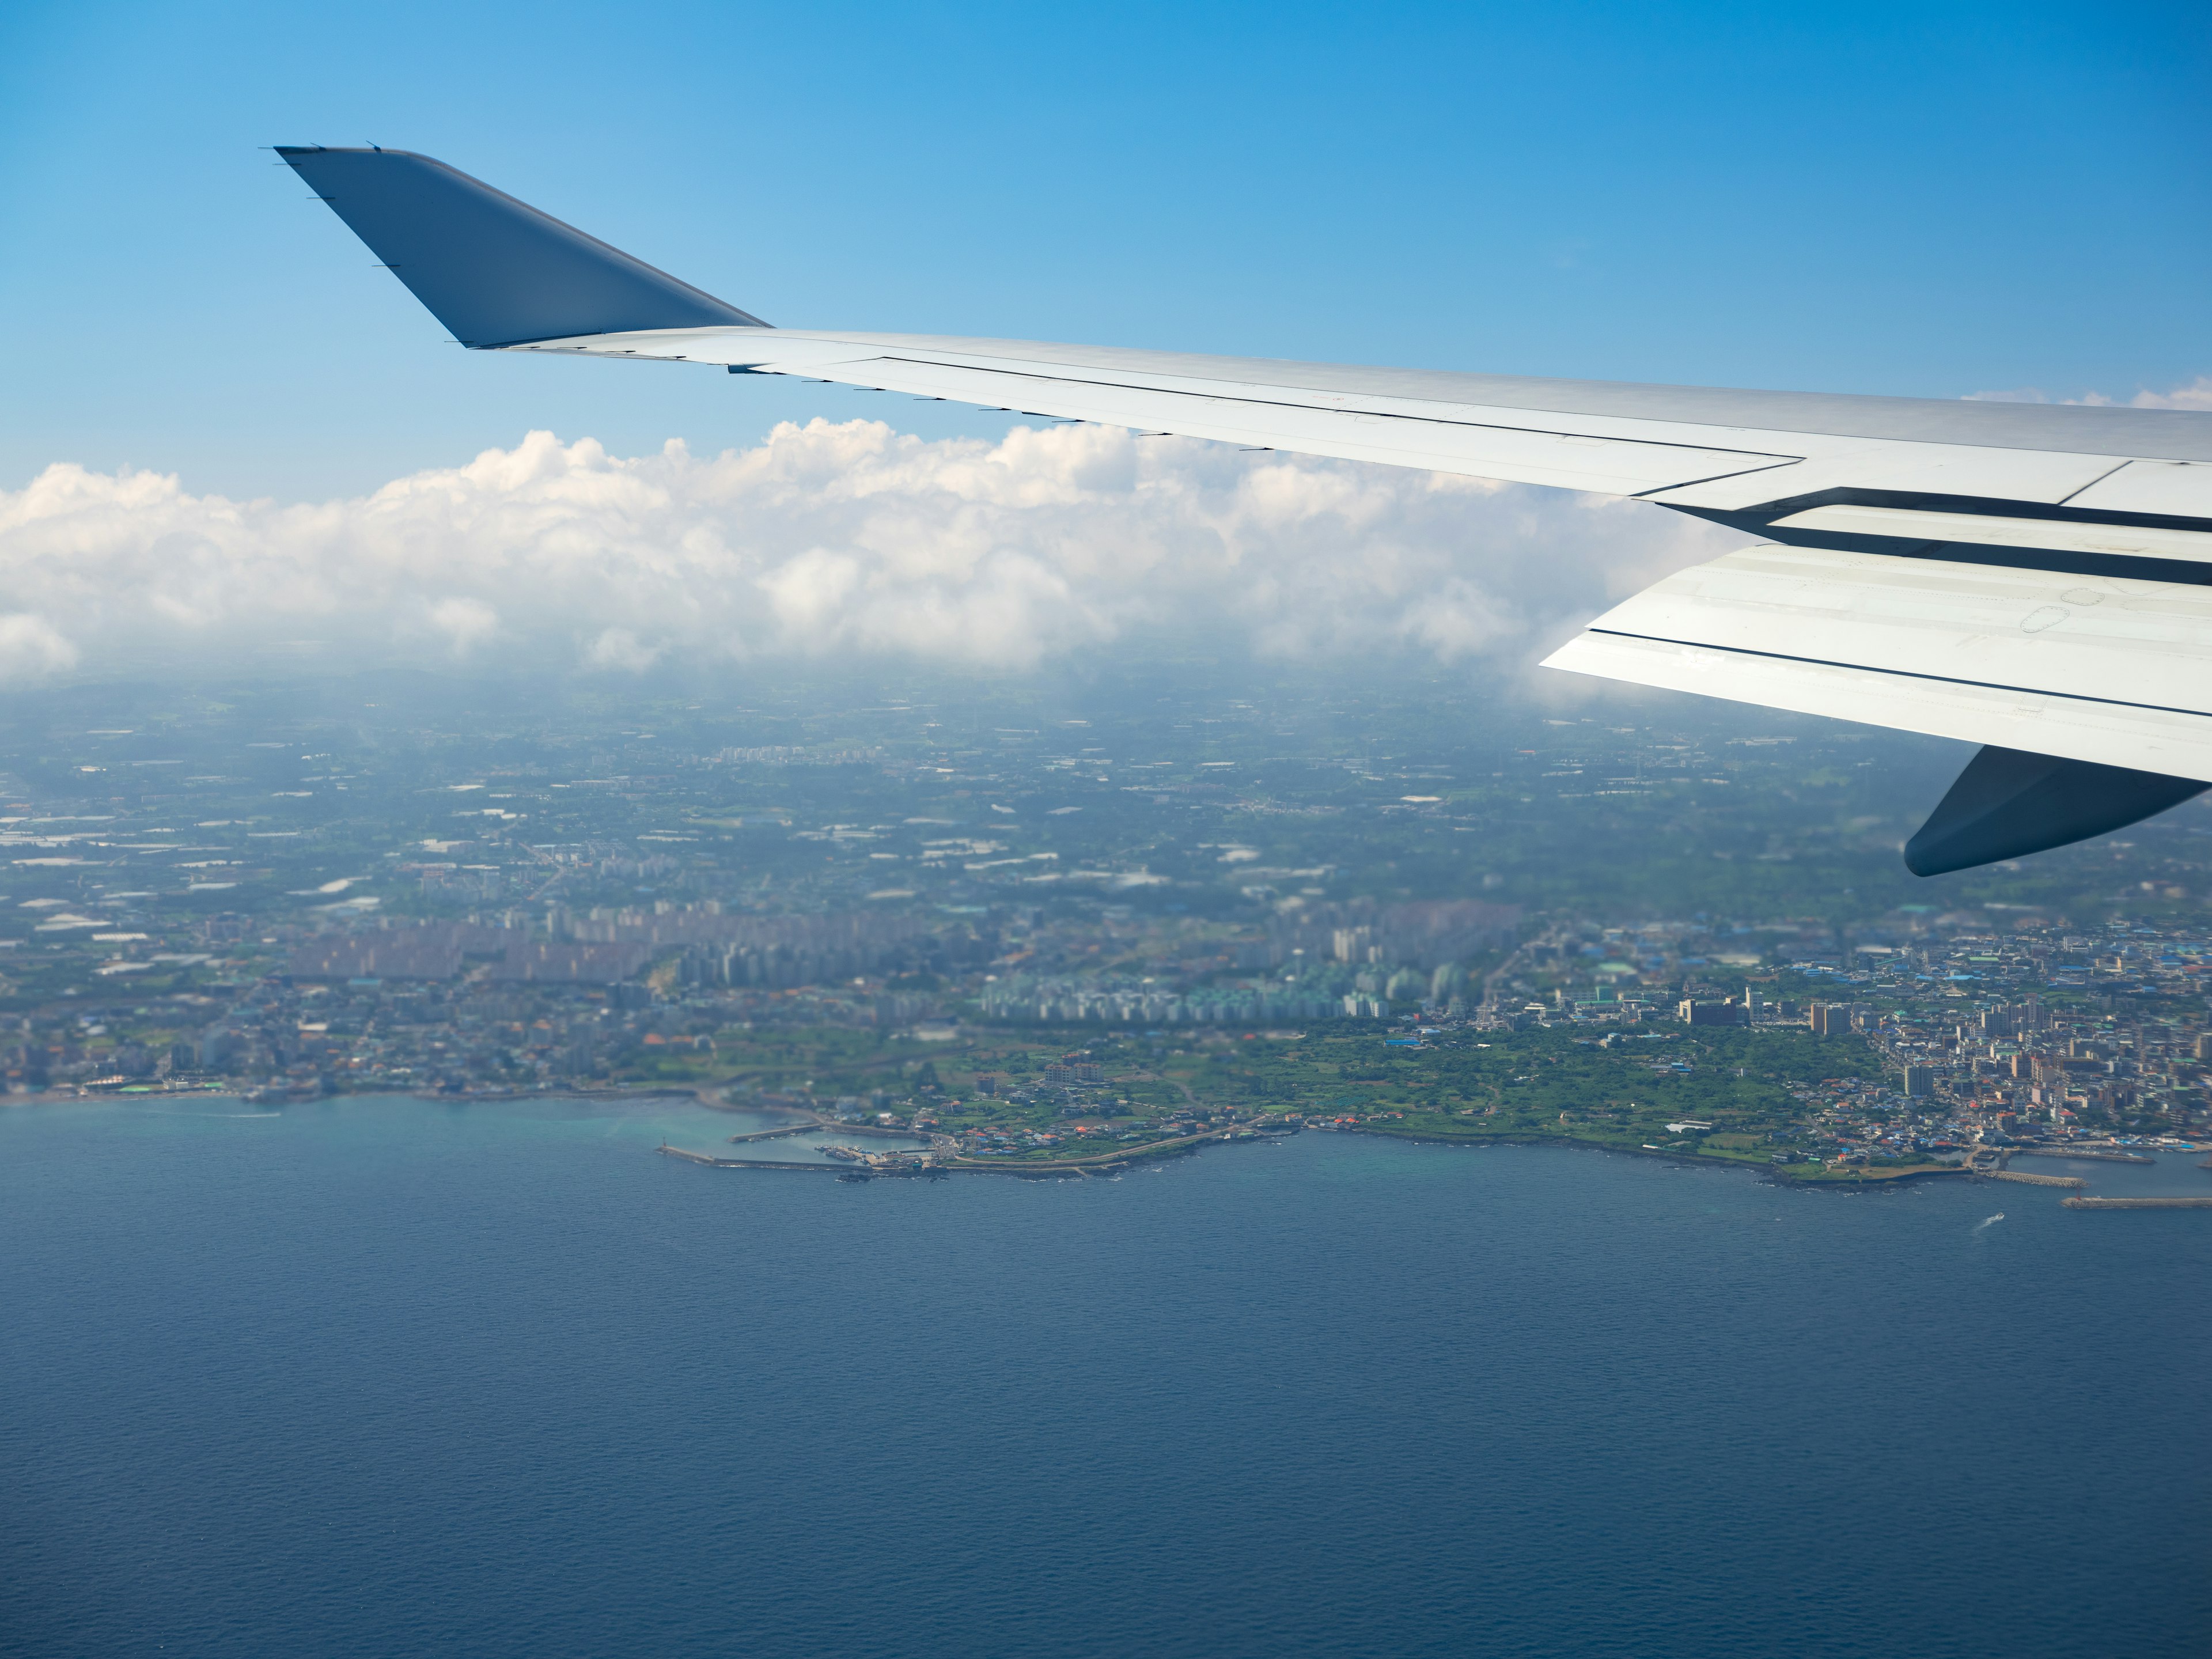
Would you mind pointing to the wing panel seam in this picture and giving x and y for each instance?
(2093, 484)
(1768, 456)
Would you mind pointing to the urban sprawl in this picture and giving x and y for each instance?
(1084, 940)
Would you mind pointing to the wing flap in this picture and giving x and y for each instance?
(2045, 477)
(2099, 670)
(1996, 530)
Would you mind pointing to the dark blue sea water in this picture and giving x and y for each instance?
(385, 1377)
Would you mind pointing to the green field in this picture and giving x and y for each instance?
(1550, 1084)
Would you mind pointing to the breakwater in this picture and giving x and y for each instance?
(2027, 1180)
(890, 1130)
(2101, 1154)
(2139, 1203)
(712, 1162)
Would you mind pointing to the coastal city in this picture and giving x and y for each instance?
(1000, 831)
(933, 941)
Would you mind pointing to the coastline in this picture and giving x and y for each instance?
(931, 1163)
(74, 1096)
(1779, 1174)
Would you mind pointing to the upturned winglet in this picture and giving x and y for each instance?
(497, 271)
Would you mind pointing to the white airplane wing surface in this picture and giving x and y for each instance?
(2031, 578)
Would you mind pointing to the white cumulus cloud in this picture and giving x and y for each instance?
(822, 540)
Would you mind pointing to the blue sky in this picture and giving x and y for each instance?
(1924, 199)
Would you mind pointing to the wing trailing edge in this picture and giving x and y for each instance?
(2105, 670)
(2034, 578)
(2091, 695)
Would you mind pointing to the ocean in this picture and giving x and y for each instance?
(392, 1377)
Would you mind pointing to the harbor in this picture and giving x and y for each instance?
(940, 1159)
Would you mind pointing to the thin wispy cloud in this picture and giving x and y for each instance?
(822, 540)
(2196, 395)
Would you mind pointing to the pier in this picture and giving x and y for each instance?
(2139, 1203)
(2102, 1154)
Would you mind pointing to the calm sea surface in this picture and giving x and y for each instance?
(387, 1377)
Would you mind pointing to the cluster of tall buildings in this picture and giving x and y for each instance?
(605, 947)
(1044, 1000)
(1423, 935)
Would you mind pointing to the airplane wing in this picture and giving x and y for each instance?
(2032, 578)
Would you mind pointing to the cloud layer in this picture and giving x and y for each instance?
(823, 541)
